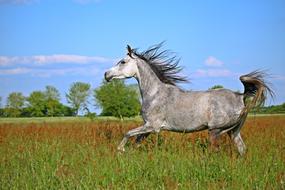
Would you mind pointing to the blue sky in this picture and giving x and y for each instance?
(49, 42)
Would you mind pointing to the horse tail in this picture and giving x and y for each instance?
(256, 90)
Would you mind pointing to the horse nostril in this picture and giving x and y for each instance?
(107, 78)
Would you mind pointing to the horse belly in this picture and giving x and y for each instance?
(187, 117)
(183, 128)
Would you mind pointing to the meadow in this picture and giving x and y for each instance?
(82, 154)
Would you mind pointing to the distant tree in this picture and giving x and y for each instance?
(78, 96)
(15, 103)
(46, 103)
(15, 100)
(117, 99)
(90, 115)
(216, 87)
(52, 93)
(1, 109)
(53, 105)
(37, 104)
(67, 111)
(53, 108)
(273, 109)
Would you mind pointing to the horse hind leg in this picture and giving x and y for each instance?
(236, 137)
(214, 135)
(234, 134)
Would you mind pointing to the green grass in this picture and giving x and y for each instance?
(63, 119)
(82, 155)
(49, 167)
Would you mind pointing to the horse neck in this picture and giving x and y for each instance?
(149, 83)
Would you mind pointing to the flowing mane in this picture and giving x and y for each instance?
(163, 63)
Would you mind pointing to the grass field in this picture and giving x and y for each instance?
(63, 119)
(81, 154)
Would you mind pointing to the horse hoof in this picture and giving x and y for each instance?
(121, 149)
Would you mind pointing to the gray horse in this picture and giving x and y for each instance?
(165, 106)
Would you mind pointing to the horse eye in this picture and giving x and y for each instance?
(123, 62)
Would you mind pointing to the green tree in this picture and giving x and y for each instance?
(46, 103)
(53, 105)
(37, 104)
(53, 108)
(78, 96)
(15, 103)
(67, 111)
(117, 99)
(52, 93)
(15, 100)
(273, 109)
(1, 109)
(216, 86)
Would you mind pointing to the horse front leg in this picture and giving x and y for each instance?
(134, 132)
(141, 137)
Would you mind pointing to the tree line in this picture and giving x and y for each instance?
(114, 98)
(273, 109)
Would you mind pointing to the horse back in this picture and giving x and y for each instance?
(197, 110)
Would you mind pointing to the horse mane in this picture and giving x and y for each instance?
(163, 63)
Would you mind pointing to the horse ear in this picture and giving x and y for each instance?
(130, 51)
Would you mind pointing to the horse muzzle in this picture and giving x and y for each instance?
(108, 77)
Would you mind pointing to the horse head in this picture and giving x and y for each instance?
(125, 68)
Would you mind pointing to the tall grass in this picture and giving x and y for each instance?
(83, 155)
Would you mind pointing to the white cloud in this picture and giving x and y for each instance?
(77, 71)
(212, 73)
(76, 59)
(213, 62)
(14, 71)
(52, 59)
(4, 61)
(59, 65)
